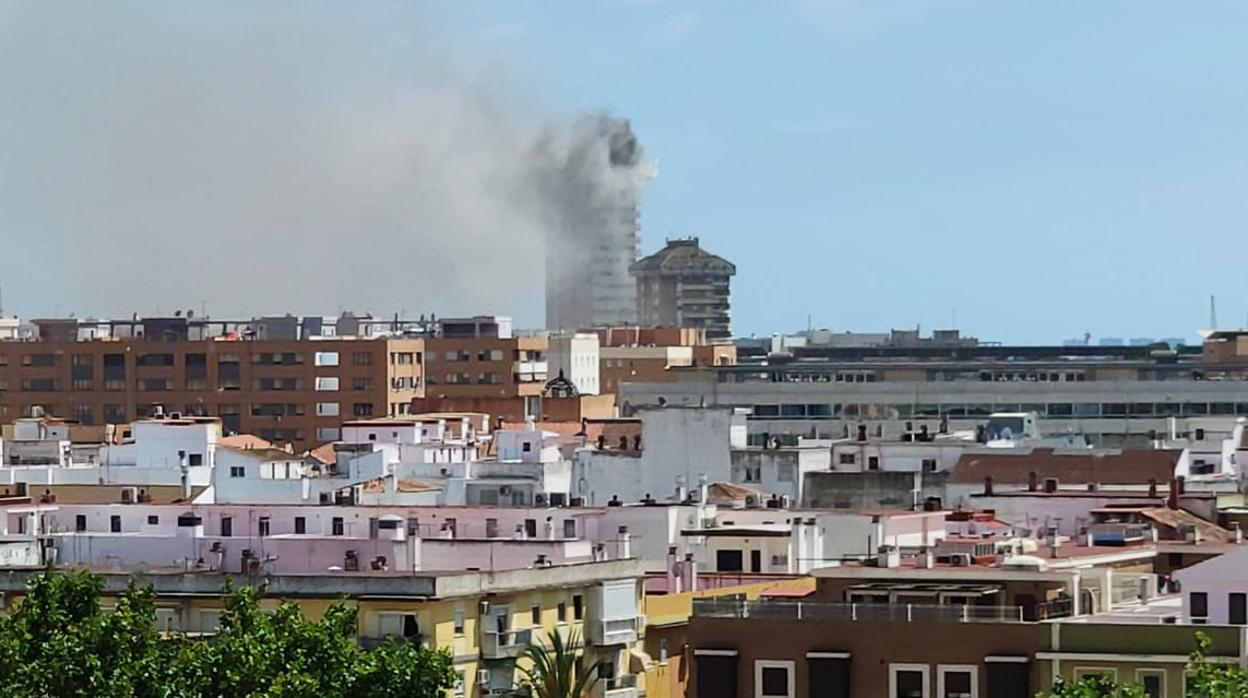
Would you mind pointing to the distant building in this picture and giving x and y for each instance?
(588, 257)
(575, 356)
(684, 285)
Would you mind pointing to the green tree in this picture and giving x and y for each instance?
(1205, 678)
(557, 671)
(1094, 687)
(58, 642)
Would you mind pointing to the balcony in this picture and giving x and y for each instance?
(877, 613)
(504, 645)
(617, 687)
(612, 632)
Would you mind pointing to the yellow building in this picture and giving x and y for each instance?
(485, 619)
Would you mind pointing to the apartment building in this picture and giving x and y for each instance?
(287, 391)
(1116, 396)
(484, 619)
(684, 285)
(486, 366)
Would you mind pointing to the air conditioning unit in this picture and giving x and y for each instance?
(129, 495)
(483, 677)
(539, 499)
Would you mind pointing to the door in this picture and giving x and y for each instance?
(717, 677)
(756, 561)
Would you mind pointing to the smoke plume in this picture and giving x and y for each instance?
(279, 157)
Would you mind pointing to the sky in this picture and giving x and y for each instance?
(1027, 171)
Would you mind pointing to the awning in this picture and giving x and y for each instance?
(638, 661)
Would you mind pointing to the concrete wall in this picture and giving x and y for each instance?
(870, 490)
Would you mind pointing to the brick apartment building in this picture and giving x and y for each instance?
(287, 391)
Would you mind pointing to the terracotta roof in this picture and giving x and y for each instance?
(265, 454)
(1118, 468)
(325, 454)
(730, 493)
(1174, 518)
(378, 486)
(243, 441)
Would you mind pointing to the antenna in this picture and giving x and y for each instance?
(1213, 312)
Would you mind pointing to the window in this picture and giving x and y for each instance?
(957, 681)
(361, 383)
(578, 607)
(1153, 681)
(301, 525)
(238, 471)
(1237, 605)
(39, 360)
(774, 678)
(325, 358)
(227, 526)
(194, 459)
(80, 523)
(154, 360)
(1198, 602)
(907, 681)
(569, 528)
(1088, 672)
(846, 459)
(327, 383)
(753, 472)
(929, 465)
(561, 612)
(263, 527)
(535, 616)
(362, 409)
(327, 409)
(337, 527)
(40, 385)
(402, 358)
(114, 523)
(324, 434)
(459, 622)
(153, 520)
(786, 472)
(729, 561)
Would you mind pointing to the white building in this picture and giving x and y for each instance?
(1215, 591)
(678, 445)
(575, 355)
(780, 471)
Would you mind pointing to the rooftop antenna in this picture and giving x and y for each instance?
(1213, 312)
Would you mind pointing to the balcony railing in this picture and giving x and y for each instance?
(505, 645)
(881, 613)
(612, 632)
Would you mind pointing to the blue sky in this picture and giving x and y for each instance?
(1039, 169)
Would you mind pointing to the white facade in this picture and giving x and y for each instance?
(689, 445)
(575, 355)
(779, 471)
(897, 456)
(1216, 581)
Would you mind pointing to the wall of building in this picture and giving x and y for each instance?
(290, 391)
(871, 490)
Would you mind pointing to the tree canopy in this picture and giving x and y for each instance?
(59, 642)
(1205, 677)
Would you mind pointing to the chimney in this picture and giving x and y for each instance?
(1033, 481)
(924, 559)
(1239, 534)
(624, 546)
(1152, 487)
(185, 469)
(704, 488)
(888, 557)
(682, 492)
(1182, 484)
(671, 571)
(690, 572)
(1172, 500)
(988, 485)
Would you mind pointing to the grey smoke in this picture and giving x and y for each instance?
(266, 157)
